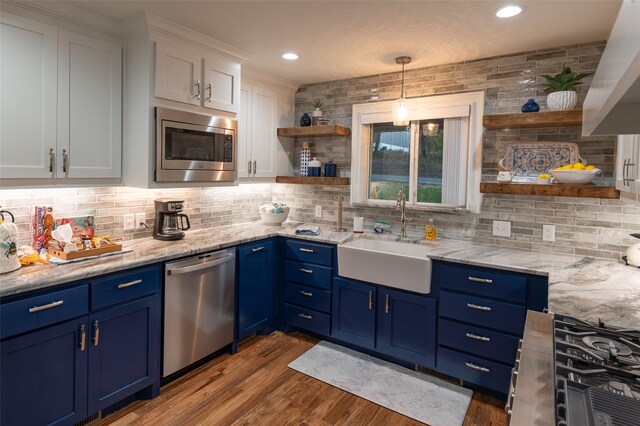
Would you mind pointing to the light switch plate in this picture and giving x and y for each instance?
(140, 217)
(129, 222)
(318, 211)
(548, 233)
(501, 228)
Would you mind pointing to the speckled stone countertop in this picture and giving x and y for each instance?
(585, 287)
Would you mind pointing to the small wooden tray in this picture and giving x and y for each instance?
(84, 253)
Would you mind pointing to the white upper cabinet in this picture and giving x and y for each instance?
(264, 140)
(190, 76)
(28, 62)
(628, 164)
(89, 107)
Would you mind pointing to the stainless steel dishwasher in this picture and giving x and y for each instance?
(198, 308)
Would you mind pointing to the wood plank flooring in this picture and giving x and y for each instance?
(255, 387)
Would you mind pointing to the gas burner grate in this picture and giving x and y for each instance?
(619, 410)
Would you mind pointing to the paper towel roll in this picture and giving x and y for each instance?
(358, 224)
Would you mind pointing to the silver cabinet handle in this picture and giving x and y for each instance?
(476, 337)
(47, 306)
(83, 337)
(65, 161)
(197, 85)
(370, 300)
(249, 169)
(386, 304)
(306, 271)
(96, 333)
(132, 283)
(625, 172)
(254, 167)
(477, 367)
(210, 92)
(257, 249)
(306, 250)
(52, 159)
(306, 293)
(307, 317)
(481, 280)
(478, 307)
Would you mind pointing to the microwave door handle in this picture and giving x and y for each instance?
(182, 218)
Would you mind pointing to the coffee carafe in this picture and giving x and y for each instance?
(169, 222)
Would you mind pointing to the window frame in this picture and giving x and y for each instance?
(420, 108)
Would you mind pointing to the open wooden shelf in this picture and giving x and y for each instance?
(312, 180)
(558, 190)
(533, 119)
(314, 131)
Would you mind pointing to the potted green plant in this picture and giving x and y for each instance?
(561, 97)
(317, 114)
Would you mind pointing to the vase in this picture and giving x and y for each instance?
(530, 106)
(563, 100)
(317, 115)
(305, 120)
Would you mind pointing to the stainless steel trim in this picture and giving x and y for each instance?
(83, 337)
(308, 317)
(306, 293)
(257, 249)
(478, 307)
(130, 284)
(481, 280)
(47, 306)
(52, 157)
(476, 337)
(96, 333)
(386, 304)
(65, 161)
(477, 367)
(197, 86)
(370, 300)
(306, 271)
(306, 250)
(210, 92)
(200, 266)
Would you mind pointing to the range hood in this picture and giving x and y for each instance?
(612, 105)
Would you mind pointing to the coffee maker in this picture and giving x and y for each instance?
(170, 222)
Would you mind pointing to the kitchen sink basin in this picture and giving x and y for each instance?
(389, 263)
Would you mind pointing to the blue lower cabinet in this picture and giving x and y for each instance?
(124, 350)
(256, 288)
(489, 374)
(44, 376)
(407, 327)
(307, 319)
(353, 315)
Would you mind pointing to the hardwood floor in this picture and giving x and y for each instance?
(255, 387)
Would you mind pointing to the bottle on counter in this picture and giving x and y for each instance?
(430, 231)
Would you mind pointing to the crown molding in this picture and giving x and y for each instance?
(268, 78)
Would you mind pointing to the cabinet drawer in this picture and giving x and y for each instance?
(309, 297)
(483, 312)
(475, 370)
(126, 286)
(307, 273)
(307, 319)
(40, 311)
(484, 282)
(309, 252)
(489, 344)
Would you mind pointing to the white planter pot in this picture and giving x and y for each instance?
(317, 113)
(562, 101)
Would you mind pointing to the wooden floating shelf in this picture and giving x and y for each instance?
(533, 119)
(314, 131)
(312, 180)
(558, 190)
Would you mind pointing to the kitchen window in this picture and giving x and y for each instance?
(436, 158)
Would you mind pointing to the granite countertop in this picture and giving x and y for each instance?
(588, 288)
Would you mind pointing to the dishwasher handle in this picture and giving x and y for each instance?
(200, 266)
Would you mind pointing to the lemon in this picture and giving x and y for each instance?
(544, 175)
(590, 167)
(578, 166)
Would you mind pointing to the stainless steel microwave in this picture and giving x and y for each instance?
(195, 148)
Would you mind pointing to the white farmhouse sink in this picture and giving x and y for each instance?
(390, 263)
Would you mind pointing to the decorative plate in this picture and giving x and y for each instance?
(529, 159)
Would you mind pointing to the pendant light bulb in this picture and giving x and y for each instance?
(400, 110)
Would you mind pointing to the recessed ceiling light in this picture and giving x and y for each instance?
(290, 56)
(508, 11)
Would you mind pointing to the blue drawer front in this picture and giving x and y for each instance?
(484, 282)
(483, 312)
(307, 273)
(479, 341)
(307, 319)
(122, 287)
(489, 374)
(309, 252)
(47, 309)
(309, 297)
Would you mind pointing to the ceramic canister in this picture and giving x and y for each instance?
(8, 247)
(314, 167)
(330, 169)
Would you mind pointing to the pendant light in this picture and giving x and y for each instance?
(400, 108)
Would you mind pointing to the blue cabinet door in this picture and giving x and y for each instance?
(44, 376)
(407, 327)
(124, 351)
(353, 315)
(256, 288)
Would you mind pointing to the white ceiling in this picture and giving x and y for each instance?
(344, 39)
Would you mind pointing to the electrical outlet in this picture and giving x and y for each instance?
(141, 218)
(501, 228)
(318, 211)
(548, 233)
(129, 222)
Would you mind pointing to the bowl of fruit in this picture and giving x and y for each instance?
(575, 174)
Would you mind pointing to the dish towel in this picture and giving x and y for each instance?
(308, 230)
